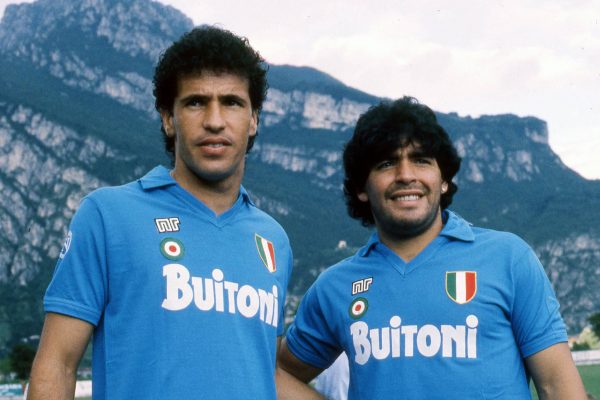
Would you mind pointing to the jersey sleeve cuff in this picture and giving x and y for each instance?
(71, 309)
(542, 344)
(301, 352)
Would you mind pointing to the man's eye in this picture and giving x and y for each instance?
(195, 103)
(425, 161)
(385, 164)
(232, 102)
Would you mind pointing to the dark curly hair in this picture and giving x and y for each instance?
(208, 48)
(378, 134)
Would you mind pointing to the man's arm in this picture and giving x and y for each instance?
(63, 342)
(292, 376)
(555, 375)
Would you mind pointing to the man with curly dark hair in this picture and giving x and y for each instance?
(178, 276)
(431, 307)
(383, 130)
(221, 53)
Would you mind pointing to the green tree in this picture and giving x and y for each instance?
(595, 322)
(21, 358)
(5, 368)
(580, 346)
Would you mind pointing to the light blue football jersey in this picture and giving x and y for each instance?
(185, 304)
(453, 323)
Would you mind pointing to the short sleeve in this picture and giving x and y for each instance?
(309, 337)
(536, 319)
(79, 285)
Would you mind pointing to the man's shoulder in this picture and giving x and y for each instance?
(343, 271)
(264, 219)
(112, 194)
(467, 237)
(262, 215)
(500, 242)
(158, 177)
(482, 233)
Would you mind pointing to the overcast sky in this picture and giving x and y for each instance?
(526, 57)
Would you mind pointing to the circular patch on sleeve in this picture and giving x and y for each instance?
(66, 245)
(358, 307)
(172, 248)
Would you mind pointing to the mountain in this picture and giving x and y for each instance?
(76, 113)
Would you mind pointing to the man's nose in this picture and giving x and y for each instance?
(213, 118)
(405, 171)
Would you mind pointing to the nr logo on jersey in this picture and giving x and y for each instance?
(361, 285)
(167, 224)
(461, 286)
(266, 251)
(172, 248)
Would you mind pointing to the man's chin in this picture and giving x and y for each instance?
(214, 175)
(408, 228)
(409, 231)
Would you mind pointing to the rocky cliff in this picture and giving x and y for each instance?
(76, 113)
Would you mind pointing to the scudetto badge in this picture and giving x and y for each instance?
(266, 252)
(461, 286)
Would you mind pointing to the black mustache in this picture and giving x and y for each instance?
(400, 187)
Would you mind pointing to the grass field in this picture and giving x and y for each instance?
(591, 379)
(590, 374)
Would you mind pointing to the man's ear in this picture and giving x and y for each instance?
(253, 124)
(362, 196)
(167, 122)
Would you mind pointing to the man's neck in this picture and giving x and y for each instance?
(218, 196)
(407, 248)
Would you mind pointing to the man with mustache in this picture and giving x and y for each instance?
(431, 307)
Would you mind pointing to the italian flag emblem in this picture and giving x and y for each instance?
(266, 251)
(461, 286)
(358, 307)
(171, 248)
